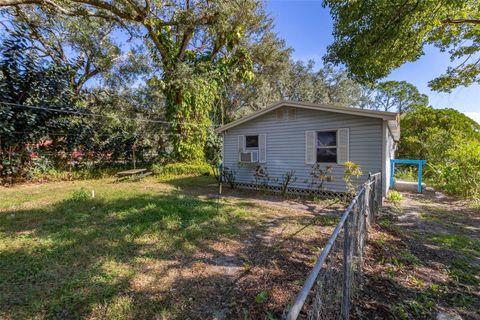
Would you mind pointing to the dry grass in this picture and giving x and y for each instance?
(422, 260)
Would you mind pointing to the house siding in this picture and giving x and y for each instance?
(286, 146)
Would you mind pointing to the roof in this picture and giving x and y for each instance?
(392, 118)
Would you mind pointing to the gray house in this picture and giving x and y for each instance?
(294, 136)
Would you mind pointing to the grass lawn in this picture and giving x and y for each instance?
(153, 249)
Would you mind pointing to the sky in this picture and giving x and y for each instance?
(307, 28)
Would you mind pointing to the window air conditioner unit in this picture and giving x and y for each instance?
(249, 156)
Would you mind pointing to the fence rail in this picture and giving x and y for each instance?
(327, 292)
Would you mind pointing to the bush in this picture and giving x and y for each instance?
(181, 168)
(85, 173)
(459, 173)
(450, 142)
(80, 195)
(409, 173)
(394, 196)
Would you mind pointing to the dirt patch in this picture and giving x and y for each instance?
(225, 280)
(422, 261)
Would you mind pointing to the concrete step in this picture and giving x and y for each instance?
(407, 186)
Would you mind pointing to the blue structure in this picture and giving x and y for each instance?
(420, 163)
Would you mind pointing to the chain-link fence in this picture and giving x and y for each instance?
(327, 292)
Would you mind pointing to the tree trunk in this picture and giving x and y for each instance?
(187, 133)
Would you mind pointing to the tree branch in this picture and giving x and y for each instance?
(187, 36)
(8, 3)
(460, 21)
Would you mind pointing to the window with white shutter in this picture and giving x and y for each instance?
(241, 146)
(262, 148)
(343, 145)
(328, 146)
(310, 147)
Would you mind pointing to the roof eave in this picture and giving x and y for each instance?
(318, 107)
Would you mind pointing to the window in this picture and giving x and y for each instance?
(251, 142)
(327, 146)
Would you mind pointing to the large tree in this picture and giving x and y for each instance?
(284, 79)
(83, 46)
(373, 37)
(197, 46)
(396, 96)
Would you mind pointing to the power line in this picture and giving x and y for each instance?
(77, 113)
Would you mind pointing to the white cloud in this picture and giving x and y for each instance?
(474, 115)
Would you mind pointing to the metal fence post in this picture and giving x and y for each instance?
(347, 261)
(333, 284)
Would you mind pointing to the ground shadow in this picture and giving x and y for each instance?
(421, 262)
(210, 188)
(146, 256)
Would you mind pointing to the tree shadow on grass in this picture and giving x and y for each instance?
(207, 186)
(77, 259)
(63, 259)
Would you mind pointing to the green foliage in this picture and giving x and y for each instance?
(459, 173)
(94, 172)
(26, 79)
(394, 196)
(458, 242)
(397, 96)
(319, 176)
(453, 164)
(374, 37)
(261, 297)
(85, 245)
(229, 176)
(406, 173)
(85, 47)
(188, 114)
(195, 48)
(213, 152)
(35, 141)
(385, 222)
(195, 68)
(399, 311)
(351, 169)
(182, 168)
(213, 148)
(464, 272)
(80, 195)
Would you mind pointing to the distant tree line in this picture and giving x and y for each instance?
(129, 82)
(153, 79)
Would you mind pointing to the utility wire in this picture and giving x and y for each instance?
(53, 133)
(92, 114)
